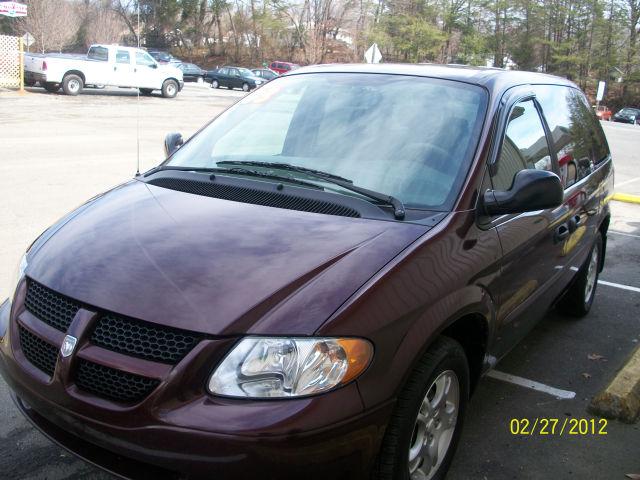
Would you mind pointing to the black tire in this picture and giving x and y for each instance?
(146, 91)
(245, 87)
(578, 299)
(72, 84)
(445, 355)
(51, 87)
(169, 88)
(215, 84)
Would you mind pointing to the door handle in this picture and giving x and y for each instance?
(561, 233)
(574, 223)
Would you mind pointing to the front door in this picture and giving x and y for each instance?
(147, 74)
(531, 242)
(234, 78)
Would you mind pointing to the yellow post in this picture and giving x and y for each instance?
(21, 63)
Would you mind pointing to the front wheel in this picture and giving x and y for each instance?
(425, 427)
(245, 87)
(215, 84)
(579, 298)
(72, 84)
(169, 89)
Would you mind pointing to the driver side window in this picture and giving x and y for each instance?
(144, 59)
(524, 146)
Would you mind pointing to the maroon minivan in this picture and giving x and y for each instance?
(312, 285)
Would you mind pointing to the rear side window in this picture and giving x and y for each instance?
(98, 53)
(577, 137)
(122, 56)
(524, 146)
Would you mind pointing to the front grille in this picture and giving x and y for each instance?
(41, 354)
(50, 307)
(113, 384)
(255, 196)
(143, 339)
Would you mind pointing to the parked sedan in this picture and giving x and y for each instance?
(264, 73)
(191, 72)
(235, 77)
(311, 287)
(627, 115)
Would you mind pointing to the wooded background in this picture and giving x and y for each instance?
(584, 40)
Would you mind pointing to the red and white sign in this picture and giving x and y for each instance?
(13, 9)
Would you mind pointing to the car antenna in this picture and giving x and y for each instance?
(138, 100)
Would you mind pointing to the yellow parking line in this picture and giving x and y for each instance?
(621, 398)
(625, 197)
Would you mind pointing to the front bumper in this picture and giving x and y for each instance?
(179, 431)
(624, 120)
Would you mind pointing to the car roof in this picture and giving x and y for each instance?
(493, 79)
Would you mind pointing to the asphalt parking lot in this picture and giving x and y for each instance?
(59, 151)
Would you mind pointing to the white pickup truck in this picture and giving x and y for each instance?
(103, 65)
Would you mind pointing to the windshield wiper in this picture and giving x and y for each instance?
(285, 166)
(236, 171)
(398, 206)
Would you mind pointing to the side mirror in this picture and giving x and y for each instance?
(172, 142)
(531, 190)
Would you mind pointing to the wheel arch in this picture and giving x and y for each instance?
(470, 324)
(75, 72)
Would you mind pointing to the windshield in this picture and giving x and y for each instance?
(629, 111)
(409, 137)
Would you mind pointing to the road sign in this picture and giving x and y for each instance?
(28, 39)
(13, 9)
(373, 55)
(600, 94)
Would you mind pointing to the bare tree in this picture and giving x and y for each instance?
(53, 23)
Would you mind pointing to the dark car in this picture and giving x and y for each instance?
(264, 73)
(317, 297)
(192, 72)
(234, 77)
(627, 115)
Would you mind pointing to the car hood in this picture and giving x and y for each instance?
(211, 265)
(170, 69)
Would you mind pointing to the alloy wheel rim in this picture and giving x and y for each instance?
(171, 89)
(434, 427)
(592, 273)
(74, 85)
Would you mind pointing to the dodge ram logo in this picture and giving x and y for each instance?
(68, 345)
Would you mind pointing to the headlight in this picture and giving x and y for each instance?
(265, 367)
(17, 276)
(258, 82)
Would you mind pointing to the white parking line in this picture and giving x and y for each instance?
(625, 234)
(627, 182)
(533, 385)
(619, 285)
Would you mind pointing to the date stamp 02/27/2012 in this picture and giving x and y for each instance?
(557, 426)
